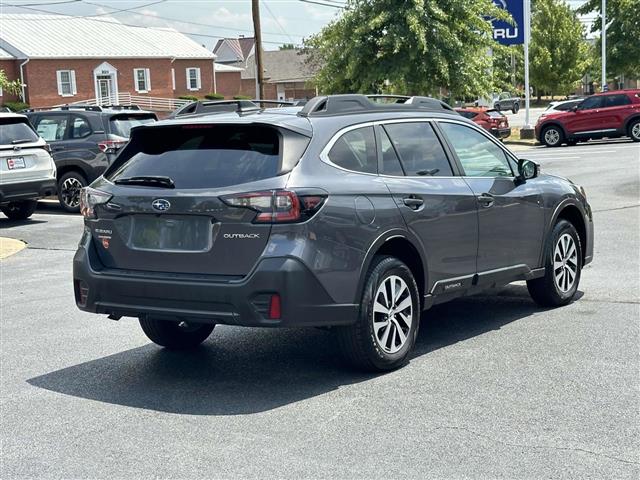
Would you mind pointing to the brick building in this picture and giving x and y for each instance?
(63, 59)
(286, 72)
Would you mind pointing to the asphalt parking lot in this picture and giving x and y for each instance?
(497, 387)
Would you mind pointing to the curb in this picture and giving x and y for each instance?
(10, 246)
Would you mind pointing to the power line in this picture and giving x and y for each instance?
(323, 4)
(277, 21)
(67, 16)
(219, 27)
(47, 3)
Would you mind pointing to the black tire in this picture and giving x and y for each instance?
(634, 130)
(516, 108)
(69, 186)
(358, 342)
(551, 139)
(174, 335)
(545, 291)
(19, 210)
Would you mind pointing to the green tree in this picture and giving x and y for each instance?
(623, 34)
(8, 86)
(287, 46)
(558, 49)
(407, 46)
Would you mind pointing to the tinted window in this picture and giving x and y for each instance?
(122, 124)
(592, 102)
(15, 131)
(419, 149)
(52, 128)
(207, 156)
(616, 100)
(468, 114)
(479, 156)
(356, 150)
(565, 107)
(80, 128)
(390, 162)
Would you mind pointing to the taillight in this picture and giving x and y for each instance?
(89, 198)
(111, 146)
(277, 206)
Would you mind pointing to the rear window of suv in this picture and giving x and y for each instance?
(207, 156)
(14, 131)
(121, 125)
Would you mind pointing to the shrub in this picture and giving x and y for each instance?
(241, 97)
(214, 96)
(16, 106)
(188, 97)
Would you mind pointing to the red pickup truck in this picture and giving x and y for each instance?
(605, 115)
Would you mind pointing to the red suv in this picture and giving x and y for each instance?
(492, 121)
(610, 115)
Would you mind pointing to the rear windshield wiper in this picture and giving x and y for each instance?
(147, 181)
(21, 140)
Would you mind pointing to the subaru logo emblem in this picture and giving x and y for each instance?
(161, 205)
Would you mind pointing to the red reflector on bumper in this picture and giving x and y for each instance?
(274, 307)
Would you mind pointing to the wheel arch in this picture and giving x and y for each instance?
(553, 123)
(66, 167)
(404, 247)
(629, 121)
(570, 211)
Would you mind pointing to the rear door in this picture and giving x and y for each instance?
(201, 225)
(615, 112)
(510, 213)
(438, 207)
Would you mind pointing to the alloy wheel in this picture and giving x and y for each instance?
(392, 314)
(635, 131)
(565, 263)
(552, 136)
(71, 192)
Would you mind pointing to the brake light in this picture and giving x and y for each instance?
(89, 198)
(111, 146)
(277, 206)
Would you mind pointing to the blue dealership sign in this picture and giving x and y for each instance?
(504, 32)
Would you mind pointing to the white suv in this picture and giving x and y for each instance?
(27, 171)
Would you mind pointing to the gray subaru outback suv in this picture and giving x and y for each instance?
(349, 213)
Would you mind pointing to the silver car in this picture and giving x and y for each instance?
(27, 171)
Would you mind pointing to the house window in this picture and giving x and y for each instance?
(66, 83)
(193, 79)
(142, 80)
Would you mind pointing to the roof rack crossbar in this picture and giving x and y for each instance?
(89, 108)
(122, 107)
(357, 103)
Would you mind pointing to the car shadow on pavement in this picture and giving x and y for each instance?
(241, 371)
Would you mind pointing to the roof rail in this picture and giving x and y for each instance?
(88, 108)
(330, 105)
(279, 103)
(122, 107)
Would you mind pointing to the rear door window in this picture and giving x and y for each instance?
(390, 161)
(617, 100)
(356, 150)
(121, 125)
(14, 131)
(204, 156)
(420, 150)
(80, 127)
(52, 127)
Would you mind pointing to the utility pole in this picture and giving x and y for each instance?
(255, 10)
(603, 40)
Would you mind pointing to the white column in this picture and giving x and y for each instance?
(527, 34)
(603, 35)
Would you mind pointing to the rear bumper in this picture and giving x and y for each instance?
(304, 302)
(501, 132)
(14, 192)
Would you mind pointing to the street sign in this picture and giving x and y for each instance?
(504, 32)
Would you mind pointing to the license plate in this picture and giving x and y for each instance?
(171, 233)
(15, 162)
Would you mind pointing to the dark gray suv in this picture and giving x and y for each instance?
(348, 213)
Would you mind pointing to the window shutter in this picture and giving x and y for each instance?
(59, 80)
(173, 78)
(188, 81)
(198, 78)
(148, 82)
(135, 80)
(73, 81)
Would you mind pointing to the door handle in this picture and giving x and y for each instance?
(485, 200)
(413, 202)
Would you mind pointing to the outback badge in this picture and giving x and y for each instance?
(161, 205)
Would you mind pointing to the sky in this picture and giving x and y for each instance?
(283, 21)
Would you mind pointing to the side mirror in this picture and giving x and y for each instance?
(574, 108)
(527, 169)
